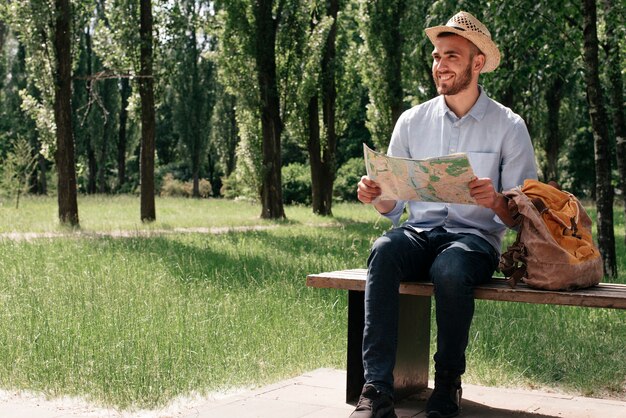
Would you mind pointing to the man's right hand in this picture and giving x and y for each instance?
(368, 192)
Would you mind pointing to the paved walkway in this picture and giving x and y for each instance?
(320, 394)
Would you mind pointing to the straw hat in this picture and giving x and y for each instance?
(467, 26)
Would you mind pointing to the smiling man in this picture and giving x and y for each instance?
(455, 246)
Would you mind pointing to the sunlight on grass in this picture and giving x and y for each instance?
(121, 212)
(134, 322)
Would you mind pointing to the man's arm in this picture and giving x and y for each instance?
(484, 193)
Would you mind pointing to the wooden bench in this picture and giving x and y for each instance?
(411, 371)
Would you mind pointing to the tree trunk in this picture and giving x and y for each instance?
(617, 97)
(3, 32)
(604, 190)
(323, 166)
(553, 97)
(42, 182)
(507, 97)
(64, 156)
(148, 119)
(122, 140)
(92, 162)
(92, 166)
(271, 123)
(314, 148)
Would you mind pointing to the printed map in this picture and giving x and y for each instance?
(439, 179)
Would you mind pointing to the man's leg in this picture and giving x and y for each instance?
(399, 255)
(460, 265)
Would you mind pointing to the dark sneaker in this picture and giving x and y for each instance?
(374, 404)
(445, 401)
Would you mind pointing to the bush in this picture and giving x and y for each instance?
(172, 187)
(176, 188)
(296, 179)
(205, 188)
(348, 177)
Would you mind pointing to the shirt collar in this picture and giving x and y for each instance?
(477, 111)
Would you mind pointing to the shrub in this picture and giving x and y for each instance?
(205, 188)
(172, 187)
(296, 179)
(347, 178)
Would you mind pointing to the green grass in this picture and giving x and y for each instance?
(134, 322)
(121, 212)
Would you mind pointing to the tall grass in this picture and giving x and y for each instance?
(133, 322)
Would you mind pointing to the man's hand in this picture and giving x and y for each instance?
(485, 194)
(368, 192)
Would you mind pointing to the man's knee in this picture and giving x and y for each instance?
(388, 247)
(451, 275)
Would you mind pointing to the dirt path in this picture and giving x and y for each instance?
(31, 236)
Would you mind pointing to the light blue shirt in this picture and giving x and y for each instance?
(498, 146)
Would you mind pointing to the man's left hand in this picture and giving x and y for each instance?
(484, 193)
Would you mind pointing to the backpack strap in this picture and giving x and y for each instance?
(543, 208)
(539, 205)
(513, 262)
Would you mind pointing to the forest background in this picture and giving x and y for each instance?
(271, 100)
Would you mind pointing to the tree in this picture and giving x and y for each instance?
(323, 155)
(381, 27)
(224, 135)
(615, 33)
(192, 81)
(44, 28)
(122, 138)
(248, 35)
(64, 155)
(116, 42)
(265, 29)
(599, 123)
(148, 120)
(311, 71)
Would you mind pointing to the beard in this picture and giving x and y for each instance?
(461, 82)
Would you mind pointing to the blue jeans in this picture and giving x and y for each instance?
(455, 263)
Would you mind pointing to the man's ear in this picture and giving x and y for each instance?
(479, 62)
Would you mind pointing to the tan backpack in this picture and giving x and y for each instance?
(554, 249)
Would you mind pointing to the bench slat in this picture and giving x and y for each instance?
(604, 295)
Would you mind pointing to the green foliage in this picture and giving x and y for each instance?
(348, 176)
(192, 78)
(388, 29)
(236, 72)
(207, 100)
(296, 180)
(17, 168)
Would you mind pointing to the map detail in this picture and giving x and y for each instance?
(439, 179)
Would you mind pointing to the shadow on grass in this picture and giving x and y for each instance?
(245, 258)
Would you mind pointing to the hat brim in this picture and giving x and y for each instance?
(486, 45)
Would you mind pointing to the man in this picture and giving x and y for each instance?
(455, 246)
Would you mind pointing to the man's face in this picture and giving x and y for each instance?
(452, 64)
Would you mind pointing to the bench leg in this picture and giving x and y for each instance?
(411, 372)
(356, 322)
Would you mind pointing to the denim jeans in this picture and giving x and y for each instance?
(455, 263)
